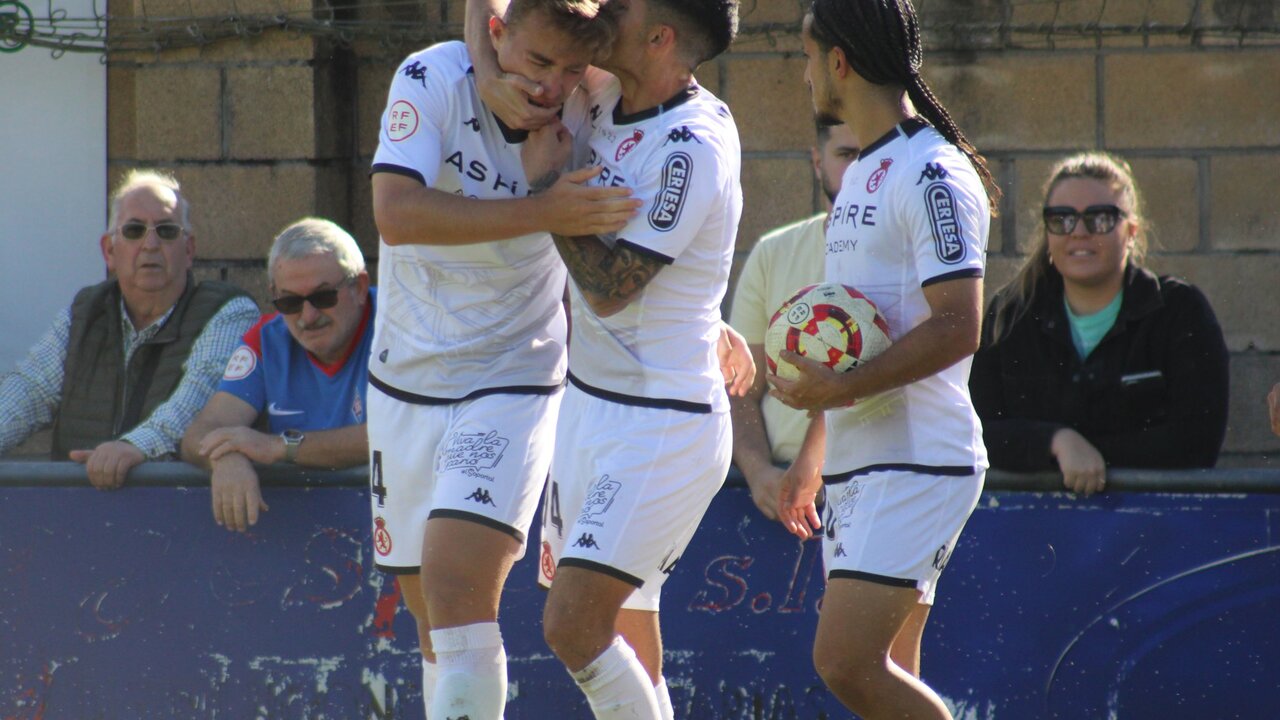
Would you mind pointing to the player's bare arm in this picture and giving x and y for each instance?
(951, 334)
(751, 452)
(409, 213)
(609, 278)
(798, 491)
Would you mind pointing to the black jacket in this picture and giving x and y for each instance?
(1152, 394)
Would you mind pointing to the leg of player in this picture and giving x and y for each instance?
(859, 623)
(411, 592)
(579, 623)
(905, 652)
(462, 591)
(642, 632)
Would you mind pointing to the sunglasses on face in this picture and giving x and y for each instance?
(320, 299)
(1098, 219)
(135, 230)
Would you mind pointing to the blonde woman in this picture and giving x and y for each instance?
(1088, 359)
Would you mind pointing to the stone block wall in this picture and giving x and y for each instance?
(265, 129)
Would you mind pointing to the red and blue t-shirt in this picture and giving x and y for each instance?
(276, 375)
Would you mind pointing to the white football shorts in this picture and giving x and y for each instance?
(484, 460)
(628, 487)
(896, 528)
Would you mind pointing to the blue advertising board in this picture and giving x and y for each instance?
(134, 604)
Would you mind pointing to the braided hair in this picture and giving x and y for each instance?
(881, 41)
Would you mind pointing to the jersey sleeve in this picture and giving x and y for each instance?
(679, 184)
(409, 137)
(244, 376)
(947, 219)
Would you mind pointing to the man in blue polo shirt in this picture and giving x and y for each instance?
(305, 366)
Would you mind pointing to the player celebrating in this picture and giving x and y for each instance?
(908, 230)
(468, 359)
(644, 437)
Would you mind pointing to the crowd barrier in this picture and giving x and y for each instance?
(1155, 599)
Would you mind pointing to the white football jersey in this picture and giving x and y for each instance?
(683, 160)
(457, 321)
(911, 212)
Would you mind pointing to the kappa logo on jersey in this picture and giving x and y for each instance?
(947, 236)
(595, 113)
(877, 178)
(481, 496)
(473, 123)
(599, 499)
(416, 71)
(402, 120)
(381, 537)
(681, 134)
(586, 540)
(626, 146)
(932, 171)
(241, 364)
(479, 172)
(473, 452)
(840, 550)
(667, 206)
(941, 558)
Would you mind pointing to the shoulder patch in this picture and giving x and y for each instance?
(676, 172)
(241, 364)
(947, 237)
(402, 120)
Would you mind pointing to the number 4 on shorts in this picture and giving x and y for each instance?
(376, 485)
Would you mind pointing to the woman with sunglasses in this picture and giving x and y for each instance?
(1090, 360)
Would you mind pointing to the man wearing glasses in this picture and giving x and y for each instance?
(130, 362)
(305, 366)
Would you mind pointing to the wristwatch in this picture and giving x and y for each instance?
(292, 440)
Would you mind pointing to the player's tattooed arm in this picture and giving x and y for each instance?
(609, 278)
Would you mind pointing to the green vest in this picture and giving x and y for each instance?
(101, 398)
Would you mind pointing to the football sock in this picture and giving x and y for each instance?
(617, 686)
(428, 685)
(664, 699)
(471, 673)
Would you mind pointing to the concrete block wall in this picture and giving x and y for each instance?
(265, 130)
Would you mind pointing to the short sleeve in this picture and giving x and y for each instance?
(409, 136)
(244, 376)
(679, 184)
(947, 217)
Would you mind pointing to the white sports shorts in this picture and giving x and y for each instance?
(628, 487)
(484, 460)
(896, 528)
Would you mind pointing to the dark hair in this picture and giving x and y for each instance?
(708, 26)
(578, 18)
(881, 41)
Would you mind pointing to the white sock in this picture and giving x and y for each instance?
(471, 667)
(428, 684)
(664, 699)
(617, 686)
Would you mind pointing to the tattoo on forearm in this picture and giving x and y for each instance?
(544, 182)
(616, 274)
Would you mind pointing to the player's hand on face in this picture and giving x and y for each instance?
(1084, 471)
(572, 207)
(257, 446)
(814, 390)
(797, 501)
(1273, 403)
(546, 150)
(512, 98)
(236, 496)
(108, 464)
(736, 363)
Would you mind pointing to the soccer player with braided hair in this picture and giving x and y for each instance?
(909, 230)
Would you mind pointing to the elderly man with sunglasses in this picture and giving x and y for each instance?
(130, 362)
(305, 366)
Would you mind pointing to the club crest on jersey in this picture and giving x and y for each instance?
(675, 186)
(877, 178)
(357, 409)
(241, 364)
(402, 120)
(947, 236)
(599, 499)
(626, 146)
(473, 452)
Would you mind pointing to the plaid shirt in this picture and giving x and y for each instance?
(29, 395)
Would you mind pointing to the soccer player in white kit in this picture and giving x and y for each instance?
(644, 437)
(468, 361)
(909, 230)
